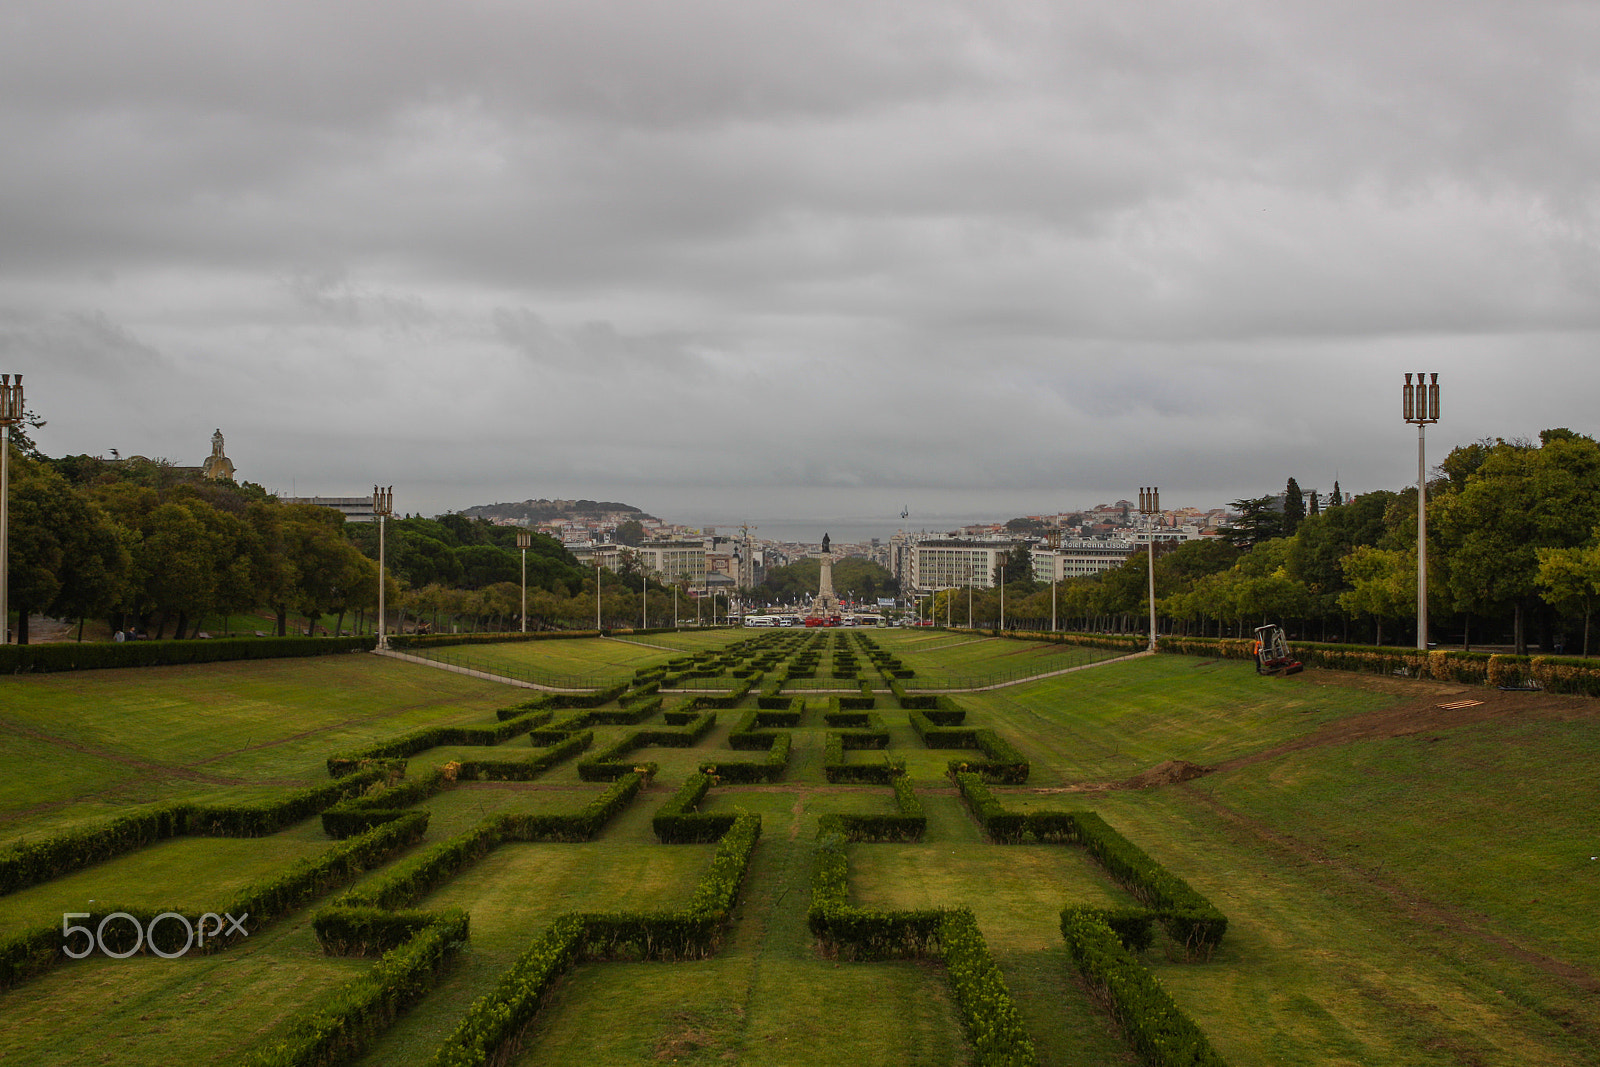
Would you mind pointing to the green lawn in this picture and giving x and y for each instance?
(1425, 899)
(84, 746)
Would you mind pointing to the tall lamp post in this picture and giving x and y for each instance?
(1054, 541)
(1150, 504)
(524, 539)
(1421, 404)
(382, 508)
(1002, 598)
(596, 588)
(11, 413)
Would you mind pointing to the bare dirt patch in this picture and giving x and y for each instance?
(1171, 772)
(1421, 713)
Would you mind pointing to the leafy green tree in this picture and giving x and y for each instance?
(1569, 578)
(1259, 520)
(1519, 499)
(1383, 585)
(37, 552)
(630, 533)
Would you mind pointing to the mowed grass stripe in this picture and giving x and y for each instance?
(147, 1010)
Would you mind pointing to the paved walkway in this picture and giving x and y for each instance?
(470, 673)
(488, 677)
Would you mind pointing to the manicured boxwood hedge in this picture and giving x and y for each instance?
(32, 862)
(612, 761)
(102, 655)
(27, 954)
(908, 825)
(1154, 1025)
(988, 1013)
(836, 769)
(490, 1029)
(677, 822)
(1188, 917)
(768, 769)
(522, 770)
(407, 745)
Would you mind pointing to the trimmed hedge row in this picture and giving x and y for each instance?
(1557, 674)
(1001, 762)
(407, 745)
(1151, 1021)
(560, 701)
(522, 770)
(381, 803)
(26, 954)
(490, 1030)
(847, 931)
(990, 1016)
(769, 769)
(1187, 916)
(834, 767)
(583, 824)
(609, 763)
(988, 1013)
(32, 862)
(909, 825)
(410, 881)
(511, 637)
(105, 655)
(678, 823)
(363, 1008)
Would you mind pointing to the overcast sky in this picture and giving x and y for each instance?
(754, 260)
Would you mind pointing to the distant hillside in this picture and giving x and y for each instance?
(534, 511)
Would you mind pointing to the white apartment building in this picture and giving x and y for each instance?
(1078, 558)
(953, 564)
(671, 561)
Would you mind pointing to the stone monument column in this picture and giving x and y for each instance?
(826, 601)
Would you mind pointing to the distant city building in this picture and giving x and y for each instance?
(673, 561)
(1079, 558)
(948, 564)
(353, 508)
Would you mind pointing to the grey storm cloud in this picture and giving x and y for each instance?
(779, 258)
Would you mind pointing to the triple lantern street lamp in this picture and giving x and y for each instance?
(1421, 405)
(1150, 504)
(12, 409)
(524, 539)
(382, 508)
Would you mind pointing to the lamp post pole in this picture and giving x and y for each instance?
(1421, 406)
(524, 539)
(11, 408)
(1150, 504)
(596, 588)
(1002, 598)
(1055, 567)
(382, 508)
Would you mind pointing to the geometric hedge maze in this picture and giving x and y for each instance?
(376, 812)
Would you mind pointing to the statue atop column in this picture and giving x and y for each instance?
(825, 605)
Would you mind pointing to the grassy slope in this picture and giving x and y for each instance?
(1366, 882)
(85, 746)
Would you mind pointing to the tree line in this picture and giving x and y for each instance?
(1513, 558)
(158, 551)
